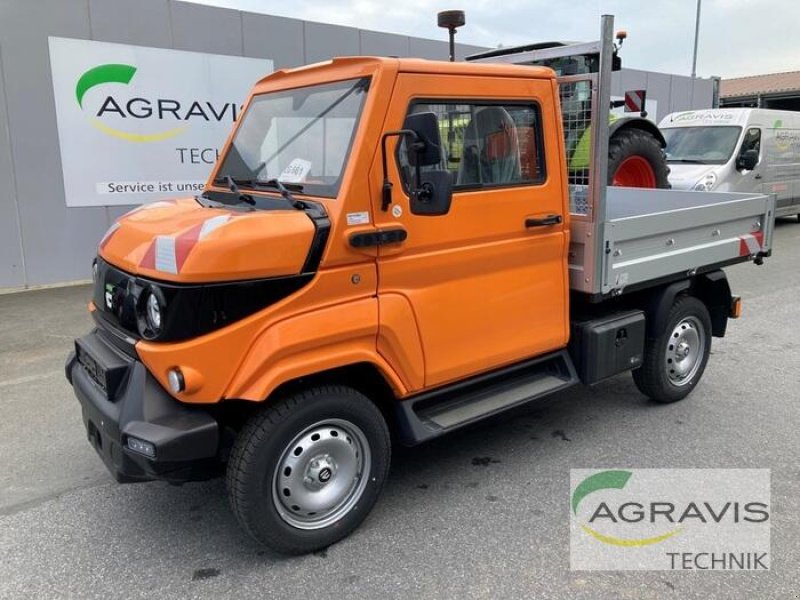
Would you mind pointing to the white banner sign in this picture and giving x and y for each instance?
(140, 124)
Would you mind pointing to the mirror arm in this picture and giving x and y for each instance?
(386, 193)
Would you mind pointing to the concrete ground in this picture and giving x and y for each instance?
(480, 514)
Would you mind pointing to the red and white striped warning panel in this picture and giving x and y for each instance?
(751, 243)
(167, 253)
(634, 100)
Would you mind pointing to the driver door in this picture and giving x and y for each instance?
(482, 289)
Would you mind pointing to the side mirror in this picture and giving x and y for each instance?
(426, 150)
(430, 191)
(433, 194)
(747, 160)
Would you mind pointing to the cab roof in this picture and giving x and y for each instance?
(356, 66)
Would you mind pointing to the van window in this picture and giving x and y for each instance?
(485, 145)
(752, 140)
(701, 145)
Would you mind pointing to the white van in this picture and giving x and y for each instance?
(736, 150)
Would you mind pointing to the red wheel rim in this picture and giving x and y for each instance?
(635, 171)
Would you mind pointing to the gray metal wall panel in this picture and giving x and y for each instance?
(658, 88)
(277, 38)
(326, 41)
(58, 243)
(374, 43)
(433, 49)
(702, 93)
(142, 23)
(11, 271)
(681, 94)
(632, 80)
(463, 50)
(206, 28)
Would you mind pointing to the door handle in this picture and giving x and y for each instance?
(543, 222)
(757, 176)
(379, 237)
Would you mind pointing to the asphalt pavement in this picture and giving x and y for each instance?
(480, 514)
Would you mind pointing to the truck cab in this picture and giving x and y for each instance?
(387, 250)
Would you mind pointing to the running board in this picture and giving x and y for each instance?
(446, 409)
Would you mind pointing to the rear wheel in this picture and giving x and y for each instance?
(635, 159)
(675, 360)
(307, 470)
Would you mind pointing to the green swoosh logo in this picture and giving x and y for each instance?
(603, 480)
(110, 73)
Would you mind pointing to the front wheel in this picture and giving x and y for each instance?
(675, 360)
(307, 470)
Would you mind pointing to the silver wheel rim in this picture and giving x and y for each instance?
(685, 350)
(321, 474)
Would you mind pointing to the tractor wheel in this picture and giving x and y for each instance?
(635, 159)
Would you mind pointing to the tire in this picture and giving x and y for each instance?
(306, 470)
(663, 376)
(635, 159)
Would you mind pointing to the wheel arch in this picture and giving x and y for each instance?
(364, 377)
(627, 123)
(712, 289)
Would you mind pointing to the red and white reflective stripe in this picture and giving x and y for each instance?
(165, 254)
(168, 253)
(634, 100)
(212, 224)
(751, 244)
(107, 237)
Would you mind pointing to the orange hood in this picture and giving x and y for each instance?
(182, 241)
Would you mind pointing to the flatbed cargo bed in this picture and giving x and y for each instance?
(650, 235)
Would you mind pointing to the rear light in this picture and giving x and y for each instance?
(736, 307)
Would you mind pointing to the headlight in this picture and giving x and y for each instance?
(706, 183)
(150, 313)
(153, 312)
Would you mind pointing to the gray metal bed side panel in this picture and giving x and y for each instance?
(633, 202)
(689, 231)
(657, 233)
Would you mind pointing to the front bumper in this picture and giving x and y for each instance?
(120, 399)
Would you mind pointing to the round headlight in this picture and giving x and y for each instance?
(153, 313)
(706, 183)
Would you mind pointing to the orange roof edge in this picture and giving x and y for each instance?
(414, 65)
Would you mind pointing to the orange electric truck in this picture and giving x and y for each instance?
(388, 250)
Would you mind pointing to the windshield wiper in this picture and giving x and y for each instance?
(284, 191)
(234, 183)
(233, 186)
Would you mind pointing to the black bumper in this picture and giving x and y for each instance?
(120, 399)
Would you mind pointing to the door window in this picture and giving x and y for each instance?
(485, 145)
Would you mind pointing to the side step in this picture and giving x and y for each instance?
(446, 409)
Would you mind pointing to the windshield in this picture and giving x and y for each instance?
(702, 145)
(300, 136)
